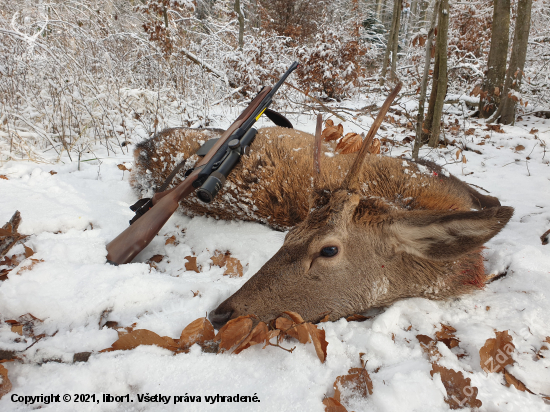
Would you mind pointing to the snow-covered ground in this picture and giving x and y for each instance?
(71, 215)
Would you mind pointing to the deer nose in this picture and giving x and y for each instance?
(219, 317)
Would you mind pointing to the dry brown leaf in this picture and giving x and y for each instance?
(4, 177)
(458, 153)
(156, 258)
(533, 130)
(139, 337)
(218, 259)
(28, 252)
(319, 341)
(357, 318)
(375, 147)
(329, 123)
(31, 266)
(464, 160)
(470, 131)
(191, 263)
(285, 325)
(234, 268)
(325, 319)
(5, 385)
(459, 391)
(234, 332)
(331, 133)
(495, 128)
(199, 331)
(497, 353)
(350, 143)
(332, 405)
(122, 167)
(429, 346)
(52, 172)
(259, 334)
(519, 148)
(17, 329)
(446, 335)
(511, 380)
(300, 327)
(476, 91)
(357, 379)
(171, 240)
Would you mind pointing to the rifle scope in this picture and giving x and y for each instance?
(236, 148)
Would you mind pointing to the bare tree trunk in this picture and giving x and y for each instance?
(240, 16)
(517, 62)
(428, 121)
(393, 42)
(378, 9)
(424, 86)
(442, 35)
(493, 84)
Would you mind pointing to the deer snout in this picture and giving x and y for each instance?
(220, 316)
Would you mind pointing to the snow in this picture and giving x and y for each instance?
(71, 215)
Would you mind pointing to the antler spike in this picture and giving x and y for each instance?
(351, 181)
(317, 149)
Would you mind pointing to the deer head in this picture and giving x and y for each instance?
(355, 252)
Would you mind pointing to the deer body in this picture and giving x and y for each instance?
(390, 230)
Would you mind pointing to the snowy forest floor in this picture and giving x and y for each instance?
(72, 214)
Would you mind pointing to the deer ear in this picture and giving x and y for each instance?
(446, 235)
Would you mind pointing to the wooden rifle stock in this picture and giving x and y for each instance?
(137, 236)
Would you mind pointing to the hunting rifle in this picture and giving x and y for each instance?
(208, 176)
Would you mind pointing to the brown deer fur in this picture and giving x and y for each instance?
(408, 230)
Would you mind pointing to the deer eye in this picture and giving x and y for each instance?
(329, 251)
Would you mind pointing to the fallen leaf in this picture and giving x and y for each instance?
(470, 131)
(286, 325)
(332, 133)
(234, 268)
(429, 346)
(497, 353)
(234, 332)
(446, 335)
(17, 329)
(350, 143)
(318, 337)
(533, 130)
(458, 153)
(191, 263)
(511, 380)
(357, 380)
(300, 327)
(325, 319)
(52, 172)
(357, 318)
(4, 177)
(258, 335)
(375, 147)
(519, 148)
(156, 258)
(122, 167)
(171, 240)
(476, 91)
(142, 337)
(5, 385)
(332, 405)
(460, 393)
(28, 252)
(199, 331)
(329, 123)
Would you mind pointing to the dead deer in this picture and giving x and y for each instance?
(364, 232)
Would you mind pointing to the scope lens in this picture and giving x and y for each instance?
(204, 195)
